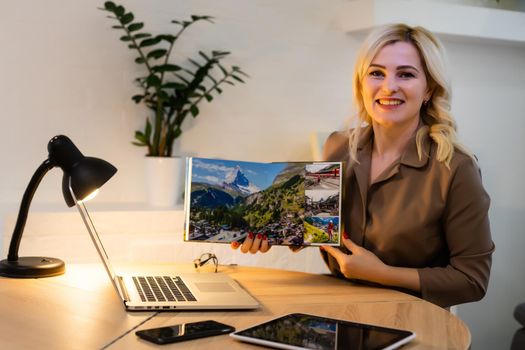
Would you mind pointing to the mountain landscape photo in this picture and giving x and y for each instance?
(229, 199)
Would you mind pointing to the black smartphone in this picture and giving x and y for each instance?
(184, 331)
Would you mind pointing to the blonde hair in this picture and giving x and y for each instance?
(439, 122)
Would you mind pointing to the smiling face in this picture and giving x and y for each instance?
(395, 86)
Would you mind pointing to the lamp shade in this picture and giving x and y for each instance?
(85, 174)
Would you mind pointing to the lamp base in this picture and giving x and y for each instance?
(32, 267)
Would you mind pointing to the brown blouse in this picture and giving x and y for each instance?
(419, 214)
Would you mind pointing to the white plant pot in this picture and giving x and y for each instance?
(165, 180)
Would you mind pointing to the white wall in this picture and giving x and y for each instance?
(65, 71)
(489, 83)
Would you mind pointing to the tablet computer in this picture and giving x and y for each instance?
(303, 331)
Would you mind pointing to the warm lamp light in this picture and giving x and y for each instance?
(82, 178)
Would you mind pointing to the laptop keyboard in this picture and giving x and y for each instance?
(162, 288)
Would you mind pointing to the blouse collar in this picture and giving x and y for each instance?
(409, 157)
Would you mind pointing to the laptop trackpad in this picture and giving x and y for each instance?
(214, 287)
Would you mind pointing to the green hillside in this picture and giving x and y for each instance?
(314, 235)
(280, 202)
(287, 173)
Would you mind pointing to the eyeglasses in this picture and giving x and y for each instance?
(204, 259)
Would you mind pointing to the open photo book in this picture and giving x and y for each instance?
(292, 203)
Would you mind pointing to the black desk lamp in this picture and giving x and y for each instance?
(84, 174)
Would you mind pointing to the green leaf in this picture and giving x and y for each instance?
(229, 82)
(141, 137)
(156, 54)
(176, 86)
(198, 18)
(201, 88)
(119, 10)
(167, 37)
(188, 71)
(140, 144)
(132, 46)
(166, 68)
(204, 55)
(127, 18)
(135, 26)
(137, 98)
(220, 54)
(152, 105)
(194, 111)
(153, 80)
(237, 78)
(238, 70)
(208, 97)
(149, 42)
(148, 129)
(117, 27)
(110, 5)
(163, 95)
(142, 35)
(182, 78)
(223, 70)
(177, 132)
(126, 38)
(195, 62)
(140, 60)
(218, 90)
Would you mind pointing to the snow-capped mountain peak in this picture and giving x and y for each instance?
(236, 180)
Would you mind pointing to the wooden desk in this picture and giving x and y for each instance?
(80, 310)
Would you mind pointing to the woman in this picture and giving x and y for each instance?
(415, 213)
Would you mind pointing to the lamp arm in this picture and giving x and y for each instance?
(24, 208)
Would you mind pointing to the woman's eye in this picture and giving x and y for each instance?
(376, 73)
(406, 75)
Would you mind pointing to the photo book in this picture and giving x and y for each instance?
(292, 203)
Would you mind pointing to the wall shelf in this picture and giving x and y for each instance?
(444, 19)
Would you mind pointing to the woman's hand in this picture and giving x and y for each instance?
(253, 244)
(364, 265)
(361, 264)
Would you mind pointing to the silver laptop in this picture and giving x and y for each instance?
(186, 291)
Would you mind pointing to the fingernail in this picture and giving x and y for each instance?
(264, 237)
(250, 235)
(345, 235)
(259, 236)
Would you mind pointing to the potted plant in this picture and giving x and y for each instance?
(172, 92)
